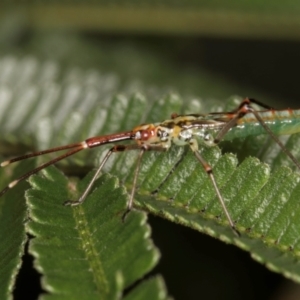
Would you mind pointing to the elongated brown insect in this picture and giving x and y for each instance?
(206, 130)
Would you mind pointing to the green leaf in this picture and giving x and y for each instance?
(173, 184)
(148, 290)
(86, 252)
(12, 232)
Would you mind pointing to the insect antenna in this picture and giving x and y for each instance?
(74, 148)
(77, 147)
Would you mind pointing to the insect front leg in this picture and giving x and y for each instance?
(116, 148)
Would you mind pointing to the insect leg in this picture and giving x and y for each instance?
(116, 148)
(209, 172)
(142, 148)
(273, 136)
(245, 108)
(252, 101)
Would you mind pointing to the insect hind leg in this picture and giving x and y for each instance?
(209, 171)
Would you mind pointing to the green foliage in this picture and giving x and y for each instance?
(86, 251)
(13, 237)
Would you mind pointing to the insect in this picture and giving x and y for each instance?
(204, 130)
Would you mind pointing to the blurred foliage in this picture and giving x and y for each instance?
(268, 19)
(58, 52)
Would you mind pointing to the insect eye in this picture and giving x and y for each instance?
(144, 135)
